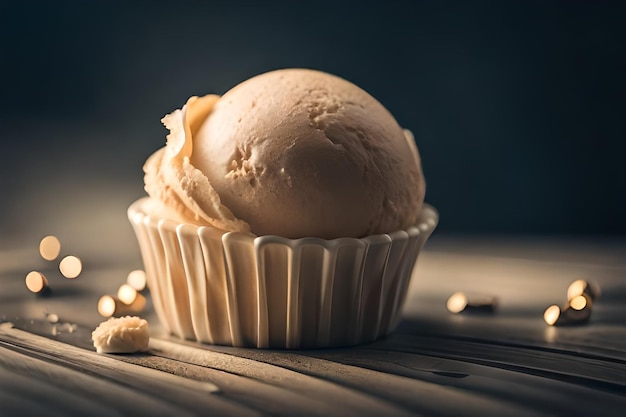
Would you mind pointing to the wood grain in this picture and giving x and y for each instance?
(436, 363)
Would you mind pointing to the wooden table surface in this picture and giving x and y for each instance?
(436, 363)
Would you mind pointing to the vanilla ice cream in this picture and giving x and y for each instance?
(293, 153)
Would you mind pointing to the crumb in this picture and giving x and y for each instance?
(137, 279)
(127, 334)
(36, 282)
(70, 267)
(49, 248)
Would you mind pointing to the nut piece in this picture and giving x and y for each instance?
(576, 311)
(49, 248)
(460, 301)
(131, 297)
(552, 314)
(137, 279)
(109, 306)
(37, 283)
(70, 266)
(583, 287)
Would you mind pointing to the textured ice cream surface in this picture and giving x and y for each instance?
(127, 334)
(293, 153)
(179, 190)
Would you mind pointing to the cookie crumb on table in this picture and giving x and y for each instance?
(128, 334)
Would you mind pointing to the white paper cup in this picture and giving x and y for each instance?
(271, 292)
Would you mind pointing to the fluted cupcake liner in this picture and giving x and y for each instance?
(268, 291)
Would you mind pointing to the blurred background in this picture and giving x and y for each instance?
(518, 108)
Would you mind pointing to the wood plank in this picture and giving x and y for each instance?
(343, 400)
(195, 396)
(419, 396)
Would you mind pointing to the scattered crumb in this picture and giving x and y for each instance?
(36, 282)
(70, 266)
(137, 279)
(127, 294)
(53, 318)
(49, 248)
(127, 334)
(64, 327)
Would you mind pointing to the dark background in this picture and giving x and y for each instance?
(518, 108)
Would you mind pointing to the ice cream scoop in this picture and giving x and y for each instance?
(294, 153)
(288, 160)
